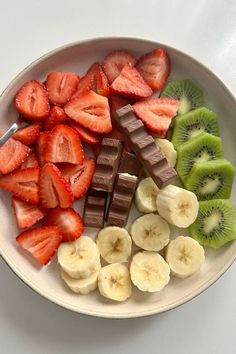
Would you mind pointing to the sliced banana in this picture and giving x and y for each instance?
(145, 196)
(150, 232)
(149, 271)
(80, 258)
(168, 150)
(184, 256)
(114, 244)
(81, 286)
(114, 282)
(177, 205)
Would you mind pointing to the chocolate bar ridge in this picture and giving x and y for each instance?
(95, 208)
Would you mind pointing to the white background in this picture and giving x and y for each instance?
(204, 29)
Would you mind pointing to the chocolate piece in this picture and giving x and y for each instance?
(130, 164)
(95, 208)
(143, 144)
(107, 165)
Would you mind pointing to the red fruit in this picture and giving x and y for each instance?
(23, 184)
(154, 68)
(117, 102)
(54, 190)
(85, 135)
(61, 86)
(131, 84)
(87, 82)
(28, 135)
(102, 84)
(64, 145)
(56, 116)
(40, 146)
(79, 176)
(91, 111)
(32, 101)
(31, 161)
(114, 63)
(12, 154)
(41, 242)
(27, 214)
(68, 221)
(157, 114)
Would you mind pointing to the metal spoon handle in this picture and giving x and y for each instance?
(13, 128)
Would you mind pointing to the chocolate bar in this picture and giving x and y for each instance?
(130, 164)
(95, 208)
(107, 165)
(143, 144)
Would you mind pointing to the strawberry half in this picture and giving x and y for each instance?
(54, 190)
(64, 145)
(40, 146)
(61, 86)
(41, 242)
(114, 63)
(87, 82)
(27, 214)
(31, 161)
(79, 176)
(27, 135)
(70, 223)
(56, 116)
(32, 101)
(157, 114)
(85, 135)
(130, 83)
(23, 184)
(102, 84)
(154, 68)
(91, 111)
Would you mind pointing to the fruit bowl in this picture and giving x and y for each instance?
(46, 281)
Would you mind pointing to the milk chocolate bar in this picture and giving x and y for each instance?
(95, 208)
(143, 144)
(130, 164)
(107, 165)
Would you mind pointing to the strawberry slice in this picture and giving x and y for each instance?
(91, 111)
(12, 154)
(23, 184)
(27, 135)
(31, 161)
(88, 82)
(79, 176)
(27, 214)
(54, 190)
(41, 242)
(114, 63)
(64, 145)
(61, 86)
(102, 84)
(86, 135)
(131, 84)
(32, 101)
(56, 116)
(157, 114)
(154, 68)
(70, 223)
(40, 146)
(117, 102)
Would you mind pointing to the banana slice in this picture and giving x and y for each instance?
(114, 244)
(80, 258)
(177, 205)
(168, 150)
(149, 271)
(114, 282)
(81, 286)
(145, 196)
(184, 256)
(150, 232)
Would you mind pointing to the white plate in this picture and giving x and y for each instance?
(46, 281)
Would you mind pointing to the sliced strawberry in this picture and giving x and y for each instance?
(12, 154)
(154, 68)
(32, 101)
(114, 63)
(27, 214)
(31, 161)
(40, 146)
(88, 82)
(157, 114)
(85, 135)
(54, 190)
(70, 223)
(131, 84)
(79, 176)
(102, 84)
(56, 116)
(61, 86)
(23, 184)
(28, 135)
(64, 145)
(41, 242)
(117, 102)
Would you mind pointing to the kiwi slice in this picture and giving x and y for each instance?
(211, 180)
(215, 224)
(187, 92)
(193, 123)
(204, 147)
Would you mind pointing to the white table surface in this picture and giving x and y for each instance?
(204, 29)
